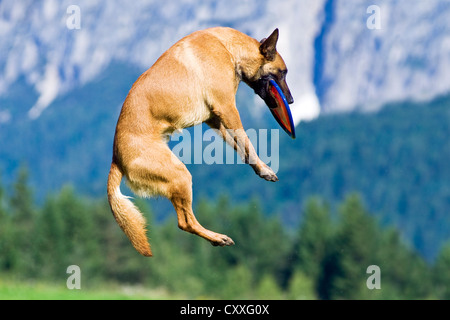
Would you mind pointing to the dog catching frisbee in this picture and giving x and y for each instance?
(193, 82)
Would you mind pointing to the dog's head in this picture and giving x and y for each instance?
(272, 68)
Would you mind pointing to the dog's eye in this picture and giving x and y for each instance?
(282, 73)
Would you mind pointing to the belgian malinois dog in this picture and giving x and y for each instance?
(195, 81)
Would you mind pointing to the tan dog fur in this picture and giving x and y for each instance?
(194, 81)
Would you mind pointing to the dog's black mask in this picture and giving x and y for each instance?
(261, 88)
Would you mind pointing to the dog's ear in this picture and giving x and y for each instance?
(268, 47)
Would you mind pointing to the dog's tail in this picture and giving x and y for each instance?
(130, 220)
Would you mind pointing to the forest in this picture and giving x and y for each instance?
(326, 256)
(396, 159)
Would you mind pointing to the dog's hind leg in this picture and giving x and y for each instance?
(180, 194)
(168, 176)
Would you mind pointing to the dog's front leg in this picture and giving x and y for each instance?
(228, 124)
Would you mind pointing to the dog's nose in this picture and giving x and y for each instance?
(287, 94)
(289, 98)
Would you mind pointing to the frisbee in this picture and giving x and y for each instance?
(282, 112)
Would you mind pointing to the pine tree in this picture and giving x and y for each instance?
(239, 283)
(23, 217)
(314, 236)
(353, 250)
(80, 239)
(405, 274)
(268, 289)
(441, 273)
(49, 243)
(22, 202)
(7, 254)
(301, 287)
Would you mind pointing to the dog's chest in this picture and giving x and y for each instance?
(198, 113)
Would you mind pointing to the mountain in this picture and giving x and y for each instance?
(364, 67)
(55, 59)
(337, 61)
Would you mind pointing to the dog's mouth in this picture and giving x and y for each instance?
(263, 88)
(278, 102)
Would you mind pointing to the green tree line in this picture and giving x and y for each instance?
(396, 158)
(325, 257)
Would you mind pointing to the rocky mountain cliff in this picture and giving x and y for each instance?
(341, 55)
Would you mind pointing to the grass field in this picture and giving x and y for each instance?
(21, 290)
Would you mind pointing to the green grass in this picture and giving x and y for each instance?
(31, 290)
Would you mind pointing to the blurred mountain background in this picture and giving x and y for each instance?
(371, 105)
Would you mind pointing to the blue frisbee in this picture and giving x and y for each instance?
(282, 112)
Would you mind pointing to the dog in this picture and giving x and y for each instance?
(193, 82)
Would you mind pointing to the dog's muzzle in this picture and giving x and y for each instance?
(262, 88)
(274, 97)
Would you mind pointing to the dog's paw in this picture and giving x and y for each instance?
(272, 177)
(266, 173)
(222, 241)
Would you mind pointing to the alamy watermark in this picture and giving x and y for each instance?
(209, 147)
(73, 21)
(74, 280)
(374, 20)
(374, 280)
